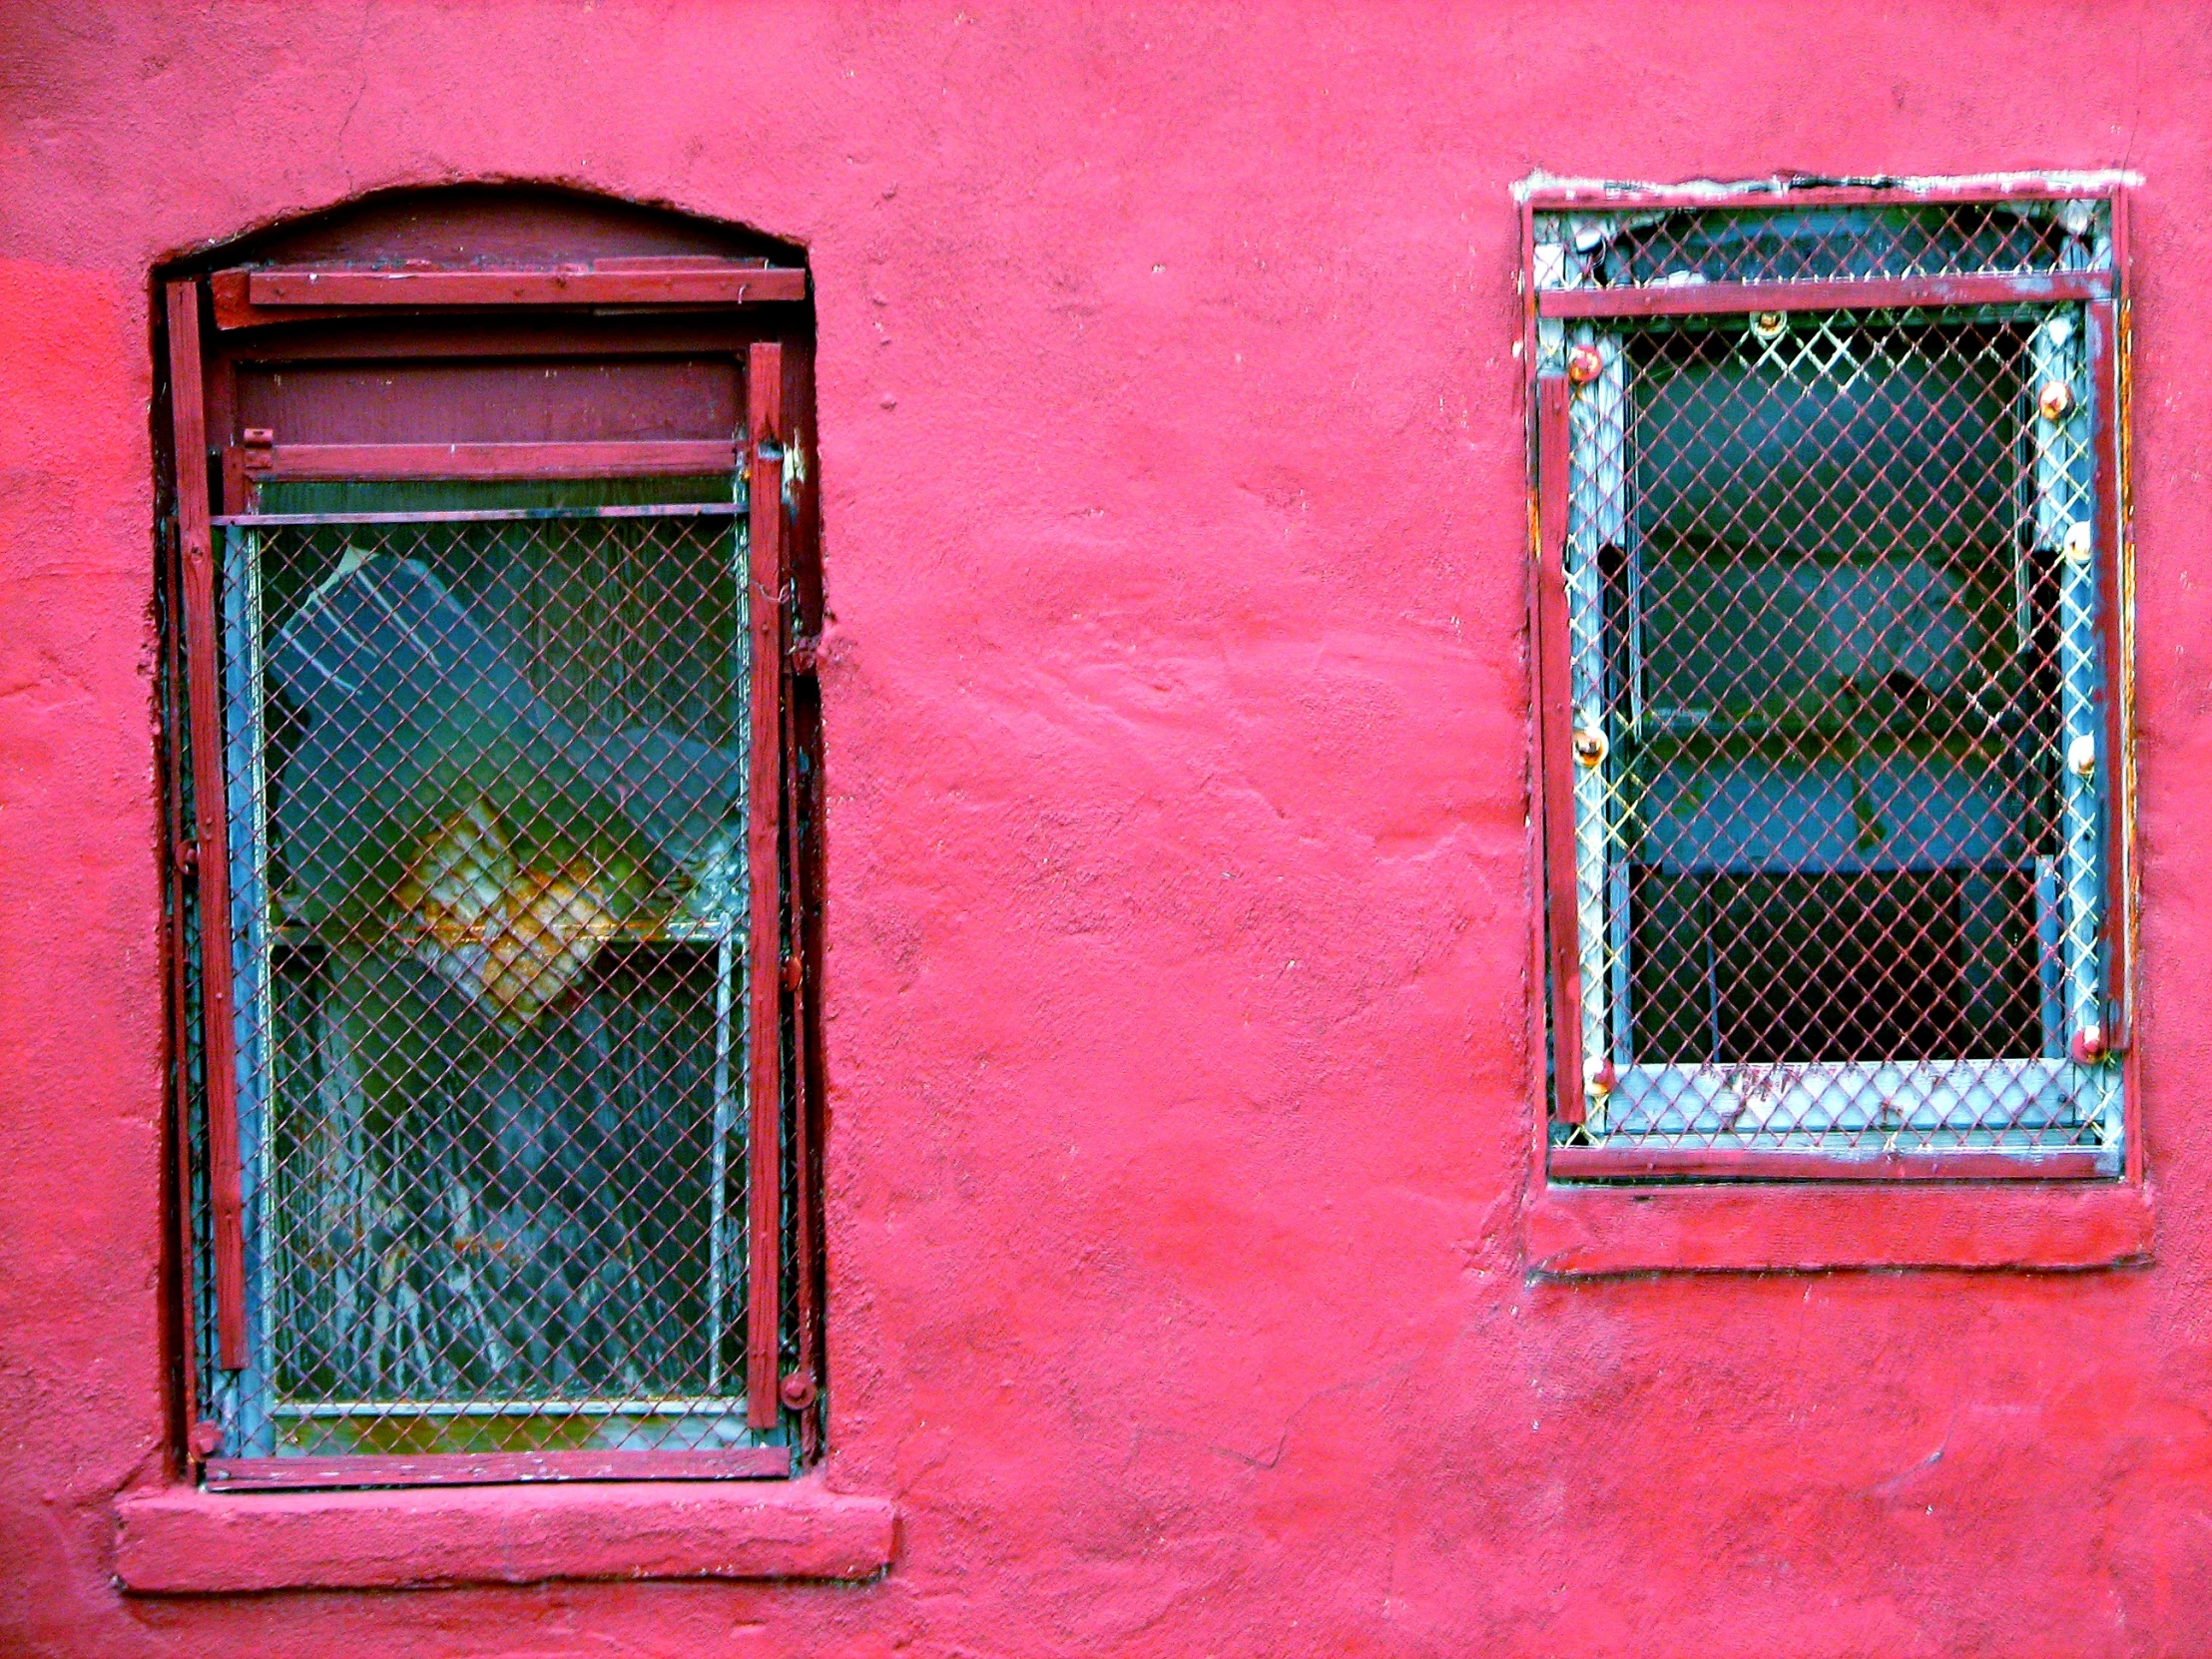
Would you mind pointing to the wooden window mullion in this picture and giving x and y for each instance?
(211, 835)
(766, 580)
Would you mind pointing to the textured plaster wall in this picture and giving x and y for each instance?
(1178, 883)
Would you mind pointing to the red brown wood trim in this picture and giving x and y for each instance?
(261, 1474)
(185, 1309)
(187, 408)
(1556, 758)
(392, 336)
(1884, 294)
(221, 378)
(645, 458)
(763, 802)
(244, 299)
(730, 286)
(237, 486)
(802, 769)
(1625, 1163)
(2104, 416)
(802, 1384)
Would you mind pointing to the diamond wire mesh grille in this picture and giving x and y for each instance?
(1832, 615)
(1752, 243)
(487, 786)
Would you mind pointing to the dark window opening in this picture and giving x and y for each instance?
(1762, 969)
(1843, 678)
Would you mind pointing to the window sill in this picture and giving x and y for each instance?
(1577, 1232)
(1633, 1163)
(184, 1542)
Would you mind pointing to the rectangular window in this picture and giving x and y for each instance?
(500, 1159)
(1829, 637)
(488, 887)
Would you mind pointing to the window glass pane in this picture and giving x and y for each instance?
(1896, 965)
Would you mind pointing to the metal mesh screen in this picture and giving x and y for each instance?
(1749, 241)
(1837, 797)
(486, 778)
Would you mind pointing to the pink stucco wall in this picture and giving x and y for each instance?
(1178, 883)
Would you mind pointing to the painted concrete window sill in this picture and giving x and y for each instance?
(1575, 1231)
(184, 1542)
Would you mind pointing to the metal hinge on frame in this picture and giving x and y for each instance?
(791, 459)
(795, 476)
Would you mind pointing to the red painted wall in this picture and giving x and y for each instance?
(1179, 879)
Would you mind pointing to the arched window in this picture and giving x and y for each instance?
(488, 699)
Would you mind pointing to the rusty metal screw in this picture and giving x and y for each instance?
(1604, 1080)
(1590, 746)
(2055, 399)
(798, 1390)
(1584, 365)
(1768, 326)
(2079, 540)
(2081, 755)
(2087, 1048)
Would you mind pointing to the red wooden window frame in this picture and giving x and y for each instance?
(1555, 959)
(669, 305)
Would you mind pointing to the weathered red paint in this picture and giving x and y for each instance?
(800, 1387)
(1179, 882)
(766, 576)
(667, 457)
(280, 290)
